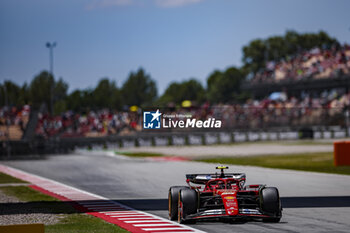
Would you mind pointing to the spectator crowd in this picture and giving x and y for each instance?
(13, 121)
(253, 114)
(328, 109)
(317, 63)
(91, 124)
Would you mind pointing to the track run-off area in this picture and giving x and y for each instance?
(102, 185)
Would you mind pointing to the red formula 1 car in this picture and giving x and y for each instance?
(223, 196)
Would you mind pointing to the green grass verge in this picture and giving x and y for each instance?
(83, 223)
(316, 162)
(27, 194)
(6, 179)
(35, 200)
(139, 154)
(280, 142)
(306, 142)
(72, 222)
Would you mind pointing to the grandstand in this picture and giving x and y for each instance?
(313, 91)
(308, 92)
(312, 72)
(13, 122)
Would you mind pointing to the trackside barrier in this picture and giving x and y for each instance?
(114, 142)
(27, 228)
(342, 153)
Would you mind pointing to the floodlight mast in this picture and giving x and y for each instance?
(51, 46)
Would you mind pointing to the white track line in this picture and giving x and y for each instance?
(153, 225)
(118, 211)
(171, 231)
(124, 215)
(140, 221)
(163, 229)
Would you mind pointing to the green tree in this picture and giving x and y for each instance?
(74, 100)
(60, 90)
(187, 90)
(11, 92)
(213, 79)
(139, 89)
(24, 96)
(171, 94)
(259, 51)
(80, 100)
(40, 89)
(59, 96)
(224, 87)
(43, 89)
(254, 55)
(107, 95)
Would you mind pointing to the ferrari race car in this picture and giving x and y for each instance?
(223, 196)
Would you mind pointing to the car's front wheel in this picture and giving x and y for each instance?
(173, 199)
(270, 204)
(188, 204)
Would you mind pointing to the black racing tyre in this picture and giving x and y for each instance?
(270, 204)
(188, 204)
(173, 199)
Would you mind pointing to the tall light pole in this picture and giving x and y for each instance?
(7, 117)
(51, 46)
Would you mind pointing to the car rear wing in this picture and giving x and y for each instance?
(204, 178)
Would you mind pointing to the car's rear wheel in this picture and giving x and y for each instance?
(188, 204)
(173, 199)
(270, 204)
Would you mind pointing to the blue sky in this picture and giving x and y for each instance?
(173, 40)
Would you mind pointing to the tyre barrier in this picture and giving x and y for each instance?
(114, 142)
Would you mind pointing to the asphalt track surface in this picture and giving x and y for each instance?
(312, 202)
